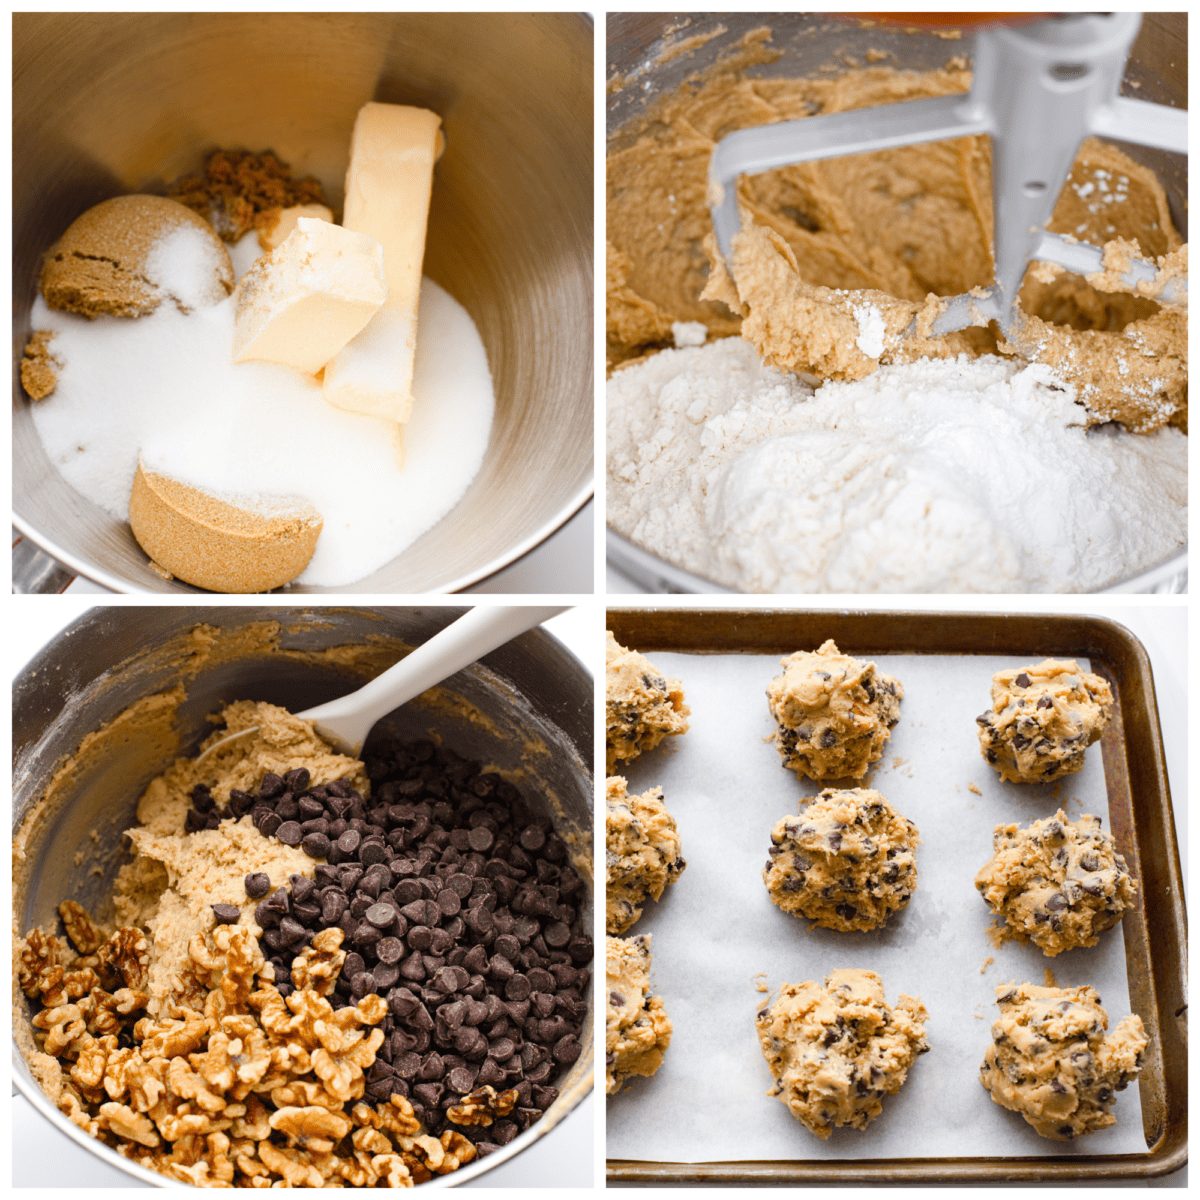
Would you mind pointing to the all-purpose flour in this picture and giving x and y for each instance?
(969, 475)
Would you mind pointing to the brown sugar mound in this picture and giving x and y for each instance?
(39, 367)
(100, 265)
(240, 191)
(218, 545)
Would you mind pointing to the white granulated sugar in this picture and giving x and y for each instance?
(870, 329)
(165, 385)
(185, 264)
(969, 475)
(244, 253)
(689, 333)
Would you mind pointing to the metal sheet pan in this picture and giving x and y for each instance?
(1142, 822)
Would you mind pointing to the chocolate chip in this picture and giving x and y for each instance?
(381, 915)
(303, 888)
(1022, 680)
(828, 739)
(257, 884)
(386, 975)
(271, 786)
(292, 931)
(481, 839)
(334, 903)
(372, 852)
(316, 845)
(240, 803)
(289, 833)
(567, 1049)
(480, 920)
(532, 838)
(460, 1080)
(297, 780)
(349, 842)
(517, 988)
(269, 823)
(227, 914)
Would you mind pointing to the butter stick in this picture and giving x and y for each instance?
(304, 301)
(387, 197)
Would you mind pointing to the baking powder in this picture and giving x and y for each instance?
(967, 475)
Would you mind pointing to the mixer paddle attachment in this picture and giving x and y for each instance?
(1038, 91)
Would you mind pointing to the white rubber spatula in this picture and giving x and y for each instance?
(1038, 91)
(346, 721)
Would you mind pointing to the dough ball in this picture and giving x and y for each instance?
(836, 1051)
(1059, 884)
(1042, 719)
(643, 856)
(637, 1030)
(126, 255)
(848, 861)
(642, 707)
(1051, 1062)
(833, 712)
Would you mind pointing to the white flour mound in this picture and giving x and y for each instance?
(968, 475)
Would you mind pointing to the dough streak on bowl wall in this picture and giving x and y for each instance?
(789, 465)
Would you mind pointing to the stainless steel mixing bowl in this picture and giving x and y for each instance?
(112, 103)
(653, 53)
(531, 690)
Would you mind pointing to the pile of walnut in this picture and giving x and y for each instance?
(236, 1086)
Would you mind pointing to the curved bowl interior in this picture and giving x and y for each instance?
(530, 692)
(111, 103)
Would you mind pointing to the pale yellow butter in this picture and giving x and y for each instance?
(300, 304)
(387, 196)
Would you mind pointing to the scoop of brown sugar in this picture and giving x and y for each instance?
(219, 545)
(99, 265)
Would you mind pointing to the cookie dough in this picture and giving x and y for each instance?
(126, 255)
(637, 1028)
(1059, 884)
(1051, 1062)
(836, 1051)
(176, 876)
(203, 869)
(642, 852)
(642, 707)
(848, 861)
(834, 713)
(891, 231)
(1042, 719)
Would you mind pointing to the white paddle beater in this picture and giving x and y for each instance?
(1038, 91)
(346, 721)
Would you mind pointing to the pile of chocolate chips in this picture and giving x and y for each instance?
(459, 908)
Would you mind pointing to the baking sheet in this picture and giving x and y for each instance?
(715, 934)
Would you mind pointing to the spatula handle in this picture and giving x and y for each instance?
(348, 719)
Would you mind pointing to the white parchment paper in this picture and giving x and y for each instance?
(716, 935)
